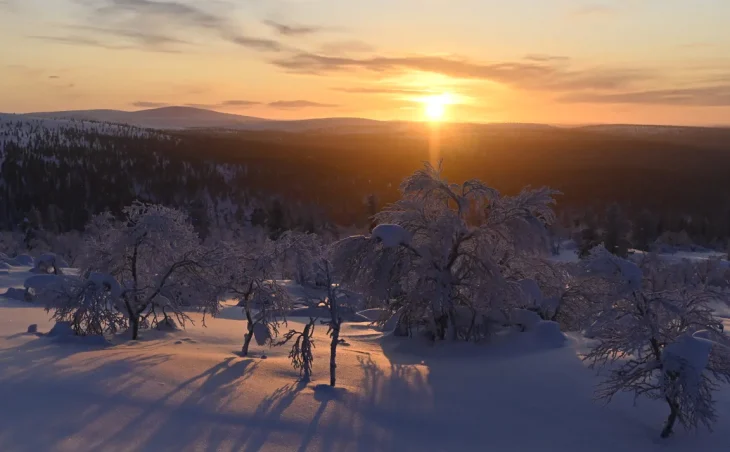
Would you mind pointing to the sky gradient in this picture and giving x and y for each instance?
(548, 61)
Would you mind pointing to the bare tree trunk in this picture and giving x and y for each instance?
(133, 319)
(333, 351)
(306, 351)
(249, 334)
(135, 327)
(673, 414)
(454, 329)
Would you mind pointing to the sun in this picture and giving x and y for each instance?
(435, 107)
(435, 110)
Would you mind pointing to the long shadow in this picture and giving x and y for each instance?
(38, 389)
(270, 411)
(41, 352)
(483, 394)
(216, 386)
(324, 394)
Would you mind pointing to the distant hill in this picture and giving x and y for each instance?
(198, 118)
(190, 118)
(179, 118)
(708, 137)
(157, 118)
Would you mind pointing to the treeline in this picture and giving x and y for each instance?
(310, 180)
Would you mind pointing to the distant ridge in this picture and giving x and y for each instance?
(181, 118)
(156, 118)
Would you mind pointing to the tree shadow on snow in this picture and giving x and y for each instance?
(169, 423)
(40, 388)
(487, 393)
(267, 417)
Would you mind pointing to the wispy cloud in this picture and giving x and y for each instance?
(8, 5)
(145, 104)
(257, 43)
(345, 47)
(292, 29)
(298, 104)
(538, 75)
(155, 25)
(711, 96)
(226, 104)
(384, 90)
(80, 41)
(54, 76)
(172, 10)
(546, 58)
(141, 37)
(239, 103)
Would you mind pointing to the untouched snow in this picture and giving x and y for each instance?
(189, 391)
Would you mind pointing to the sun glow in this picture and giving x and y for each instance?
(435, 106)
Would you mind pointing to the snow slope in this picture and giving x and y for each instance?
(189, 391)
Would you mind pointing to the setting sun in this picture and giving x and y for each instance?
(435, 106)
(435, 110)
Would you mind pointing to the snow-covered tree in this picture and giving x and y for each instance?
(308, 252)
(157, 256)
(658, 337)
(252, 281)
(447, 256)
(90, 305)
(301, 351)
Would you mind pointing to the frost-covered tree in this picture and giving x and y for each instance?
(306, 250)
(658, 337)
(447, 256)
(157, 256)
(91, 305)
(253, 270)
(301, 351)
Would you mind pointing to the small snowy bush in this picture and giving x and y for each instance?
(252, 269)
(88, 306)
(658, 338)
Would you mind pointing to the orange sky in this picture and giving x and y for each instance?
(557, 61)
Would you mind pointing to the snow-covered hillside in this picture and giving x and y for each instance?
(157, 118)
(189, 391)
(28, 131)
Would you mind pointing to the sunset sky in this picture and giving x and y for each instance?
(549, 61)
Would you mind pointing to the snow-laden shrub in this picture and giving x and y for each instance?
(159, 260)
(251, 270)
(90, 306)
(527, 320)
(445, 246)
(49, 263)
(661, 338)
